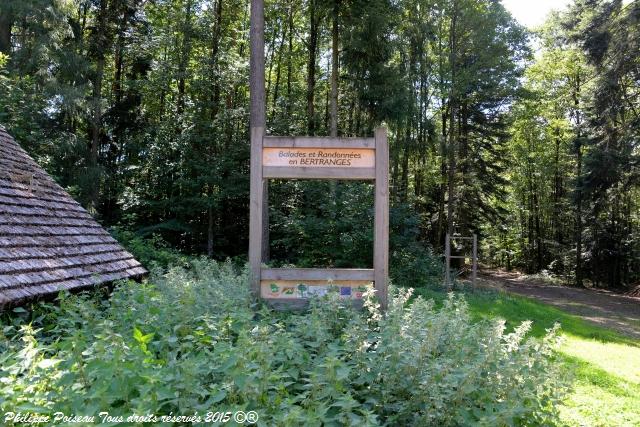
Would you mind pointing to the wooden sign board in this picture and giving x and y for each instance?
(319, 158)
(296, 289)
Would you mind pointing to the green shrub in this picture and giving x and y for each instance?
(415, 265)
(190, 341)
(150, 251)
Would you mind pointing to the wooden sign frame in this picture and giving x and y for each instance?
(379, 173)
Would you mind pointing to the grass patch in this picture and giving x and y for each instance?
(604, 365)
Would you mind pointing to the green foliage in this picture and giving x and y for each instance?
(189, 341)
(601, 363)
(315, 224)
(151, 251)
(309, 231)
(611, 178)
(415, 265)
(573, 189)
(411, 262)
(140, 110)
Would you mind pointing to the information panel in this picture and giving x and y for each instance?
(297, 289)
(319, 157)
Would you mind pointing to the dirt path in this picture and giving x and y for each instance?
(607, 309)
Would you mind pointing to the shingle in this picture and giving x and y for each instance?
(48, 242)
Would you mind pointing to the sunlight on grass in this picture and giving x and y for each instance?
(593, 406)
(598, 397)
(616, 359)
(603, 365)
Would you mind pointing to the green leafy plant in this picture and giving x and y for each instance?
(190, 341)
(150, 251)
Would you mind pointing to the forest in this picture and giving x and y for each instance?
(527, 138)
(146, 311)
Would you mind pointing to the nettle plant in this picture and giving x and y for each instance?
(190, 341)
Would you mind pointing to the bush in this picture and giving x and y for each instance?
(415, 265)
(190, 341)
(150, 251)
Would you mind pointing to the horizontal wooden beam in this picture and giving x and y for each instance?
(302, 304)
(302, 172)
(459, 257)
(461, 238)
(334, 274)
(317, 142)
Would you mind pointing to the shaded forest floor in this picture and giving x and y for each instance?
(603, 308)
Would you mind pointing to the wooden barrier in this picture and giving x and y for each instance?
(448, 257)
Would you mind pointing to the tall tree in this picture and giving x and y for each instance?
(335, 35)
(312, 47)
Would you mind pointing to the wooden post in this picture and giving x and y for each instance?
(256, 208)
(256, 78)
(257, 127)
(447, 258)
(474, 267)
(381, 224)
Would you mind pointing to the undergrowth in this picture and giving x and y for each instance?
(189, 341)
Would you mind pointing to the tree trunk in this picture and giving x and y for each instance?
(96, 126)
(215, 47)
(311, 68)
(210, 232)
(184, 59)
(578, 148)
(258, 103)
(530, 220)
(557, 191)
(404, 176)
(215, 107)
(96, 100)
(440, 228)
(272, 54)
(118, 141)
(334, 70)
(6, 22)
(326, 102)
(536, 205)
(276, 89)
(452, 116)
(289, 65)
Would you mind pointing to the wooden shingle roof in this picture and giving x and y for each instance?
(48, 242)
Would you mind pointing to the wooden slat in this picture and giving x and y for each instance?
(302, 304)
(51, 277)
(474, 274)
(317, 142)
(458, 257)
(54, 241)
(35, 252)
(461, 238)
(23, 292)
(283, 172)
(293, 304)
(447, 258)
(381, 229)
(62, 262)
(317, 274)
